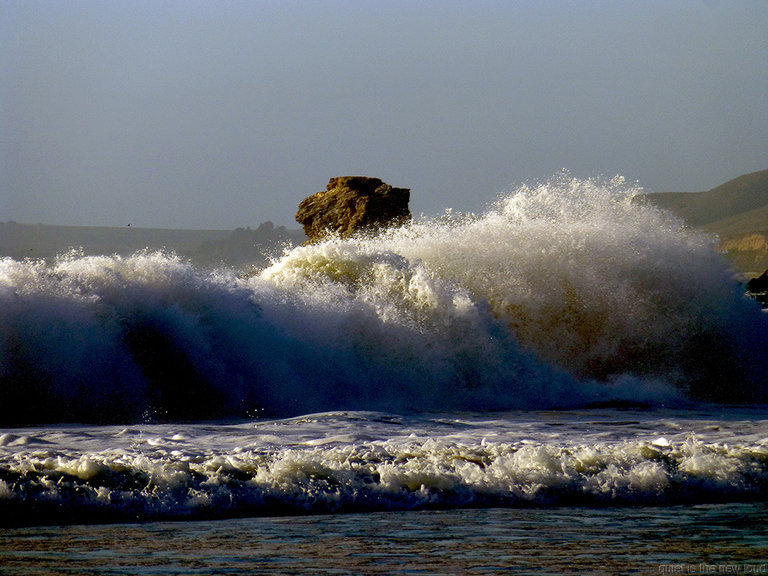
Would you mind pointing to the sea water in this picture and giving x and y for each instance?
(584, 491)
(568, 366)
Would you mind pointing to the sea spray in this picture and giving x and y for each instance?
(150, 336)
(588, 280)
(561, 294)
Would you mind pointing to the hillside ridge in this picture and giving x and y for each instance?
(735, 211)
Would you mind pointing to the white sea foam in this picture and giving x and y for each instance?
(561, 294)
(370, 461)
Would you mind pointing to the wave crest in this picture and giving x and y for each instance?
(561, 294)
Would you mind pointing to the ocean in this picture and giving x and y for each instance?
(570, 382)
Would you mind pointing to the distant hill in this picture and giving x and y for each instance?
(239, 247)
(737, 212)
(742, 194)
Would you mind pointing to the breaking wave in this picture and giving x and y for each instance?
(561, 294)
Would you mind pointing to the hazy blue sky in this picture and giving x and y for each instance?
(218, 114)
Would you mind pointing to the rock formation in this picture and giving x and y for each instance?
(353, 204)
(758, 289)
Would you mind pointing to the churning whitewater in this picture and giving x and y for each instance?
(560, 295)
(371, 373)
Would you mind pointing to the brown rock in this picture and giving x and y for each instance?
(353, 204)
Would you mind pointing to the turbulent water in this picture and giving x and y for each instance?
(563, 295)
(364, 461)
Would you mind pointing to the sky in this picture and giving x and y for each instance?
(222, 113)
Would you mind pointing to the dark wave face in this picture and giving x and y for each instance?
(560, 295)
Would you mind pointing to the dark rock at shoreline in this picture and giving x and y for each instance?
(353, 204)
(758, 289)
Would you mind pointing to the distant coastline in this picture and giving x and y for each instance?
(238, 247)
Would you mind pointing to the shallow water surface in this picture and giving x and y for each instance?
(652, 540)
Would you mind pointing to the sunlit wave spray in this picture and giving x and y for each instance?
(561, 294)
(585, 277)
